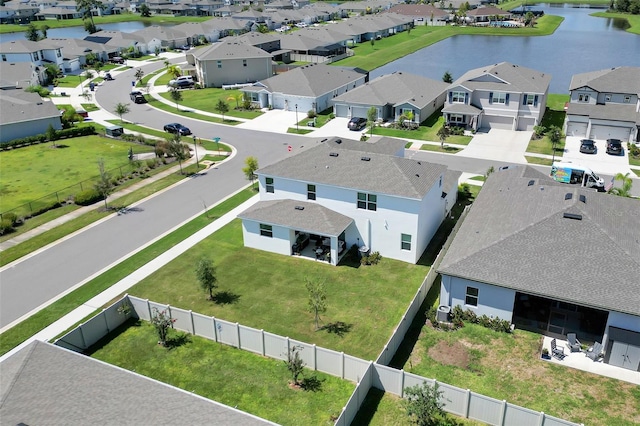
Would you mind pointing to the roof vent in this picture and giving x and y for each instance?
(299, 207)
(531, 182)
(572, 216)
(583, 198)
(338, 141)
(417, 175)
(419, 163)
(365, 158)
(323, 140)
(333, 154)
(568, 196)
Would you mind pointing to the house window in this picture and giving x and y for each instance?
(405, 241)
(244, 62)
(407, 112)
(456, 118)
(266, 230)
(311, 192)
(627, 99)
(529, 99)
(269, 184)
(471, 297)
(582, 97)
(499, 98)
(58, 53)
(457, 97)
(219, 64)
(607, 97)
(367, 201)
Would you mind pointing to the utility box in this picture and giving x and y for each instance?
(442, 315)
(114, 131)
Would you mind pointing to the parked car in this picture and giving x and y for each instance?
(182, 82)
(117, 60)
(137, 97)
(108, 77)
(82, 113)
(614, 147)
(357, 123)
(587, 146)
(177, 128)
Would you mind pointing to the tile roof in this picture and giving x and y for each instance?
(301, 215)
(614, 80)
(381, 173)
(516, 236)
(45, 384)
(505, 76)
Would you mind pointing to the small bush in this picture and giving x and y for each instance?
(151, 163)
(372, 259)
(464, 191)
(456, 131)
(87, 197)
(6, 226)
(332, 116)
(311, 114)
(11, 217)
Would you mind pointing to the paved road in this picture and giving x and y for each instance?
(41, 277)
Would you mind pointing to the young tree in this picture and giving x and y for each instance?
(295, 364)
(52, 135)
(372, 116)
(32, 33)
(177, 149)
(236, 97)
(222, 107)
(51, 71)
(625, 189)
(176, 96)
(145, 12)
(139, 74)
(44, 29)
(317, 299)
(443, 134)
(121, 109)
(162, 322)
(423, 405)
(251, 165)
(206, 273)
(104, 185)
(447, 78)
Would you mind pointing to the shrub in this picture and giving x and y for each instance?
(11, 217)
(464, 191)
(311, 114)
(456, 131)
(52, 205)
(151, 163)
(634, 150)
(6, 226)
(539, 131)
(372, 259)
(332, 116)
(87, 197)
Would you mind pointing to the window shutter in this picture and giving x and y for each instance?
(524, 99)
(506, 99)
(535, 101)
(490, 97)
(466, 98)
(450, 97)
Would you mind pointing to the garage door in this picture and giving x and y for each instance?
(497, 122)
(526, 123)
(610, 132)
(342, 111)
(278, 101)
(576, 129)
(359, 112)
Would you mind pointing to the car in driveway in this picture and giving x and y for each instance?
(614, 147)
(587, 146)
(177, 128)
(182, 82)
(357, 123)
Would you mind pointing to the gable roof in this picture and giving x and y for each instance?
(301, 215)
(425, 10)
(505, 76)
(618, 112)
(516, 236)
(397, 88)
(47, 384)
(18, 106)
(17, 74)
(26, 46)
(613, 80)
(229, 50)
(381, 173)
(312, 80)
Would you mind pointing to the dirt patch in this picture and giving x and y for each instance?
(455, 354)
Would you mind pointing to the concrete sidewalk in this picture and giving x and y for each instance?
(129, 281)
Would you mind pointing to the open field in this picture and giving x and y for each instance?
(225, 374)
(32, 172)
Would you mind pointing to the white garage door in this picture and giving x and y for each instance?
(359, 112)
(526, 123)
(610, 132)
(278, 101)
(342, 111)
(497, 122)
(576, 129)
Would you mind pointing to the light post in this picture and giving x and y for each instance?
(297, 118)
(553, 153)
(195, 149)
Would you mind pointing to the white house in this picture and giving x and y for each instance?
(342, 192)
(550, 258)
(38, 53)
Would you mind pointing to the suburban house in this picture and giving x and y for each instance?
(47, 384)
(303, 46)
(75, 51)
(38, 53)
(232, 62)
(487, 14)
(306, 88)
(393, 95)
(168, 37)
(25, 114)
(605, 104)
(500, 96)
(341, 193)
(422, 14)
(550, 258)
(16, 75)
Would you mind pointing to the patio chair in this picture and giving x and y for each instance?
(557, 351)
(594, 351)
(574, 343)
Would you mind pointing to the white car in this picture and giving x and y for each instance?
(301, 25)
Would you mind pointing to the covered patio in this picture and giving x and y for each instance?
(461, 115)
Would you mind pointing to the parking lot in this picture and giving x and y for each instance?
(600, 162)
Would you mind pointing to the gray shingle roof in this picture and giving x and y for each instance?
(229, 50)
(25, 46)
(382, 174)
(505, 77)
(516, 236)
(621, 112)
(44, 384)
(17, 106)
(461, 109)
(313, 218)
(614, 80)
(377, 144)
(394, 89)
(311, 80)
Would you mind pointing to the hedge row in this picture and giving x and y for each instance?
(74, 132)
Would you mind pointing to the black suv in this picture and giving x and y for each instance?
(177, 128)
(357, 123)
(587, 146)
(614, 147)
(137, 97)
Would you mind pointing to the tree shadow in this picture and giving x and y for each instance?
(311, 384)
(369, 407)
(225, 298)
(177, 341)
(338, 328)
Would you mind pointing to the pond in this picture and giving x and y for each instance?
(80, 32)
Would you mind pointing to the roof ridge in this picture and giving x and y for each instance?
(25, 360)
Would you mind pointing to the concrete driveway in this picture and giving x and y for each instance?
(600, 162)
(499, 145)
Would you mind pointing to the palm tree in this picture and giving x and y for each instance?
(625, 189)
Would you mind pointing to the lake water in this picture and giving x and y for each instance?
(582, 43)
(79, 32)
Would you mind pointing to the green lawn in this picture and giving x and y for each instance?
(90, 107)
(426, 132)
(180, 111)
(267, 291)
(552, 117)
(207, 99)
(508, 366)
(537, 160)
(633, 20)
(436, 148)
(298, 131)
(164, 79)
(70, 81)
(237, 378)
(32, 172)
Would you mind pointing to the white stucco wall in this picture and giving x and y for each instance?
(279, 243)
(11, 131)
(492, 300)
